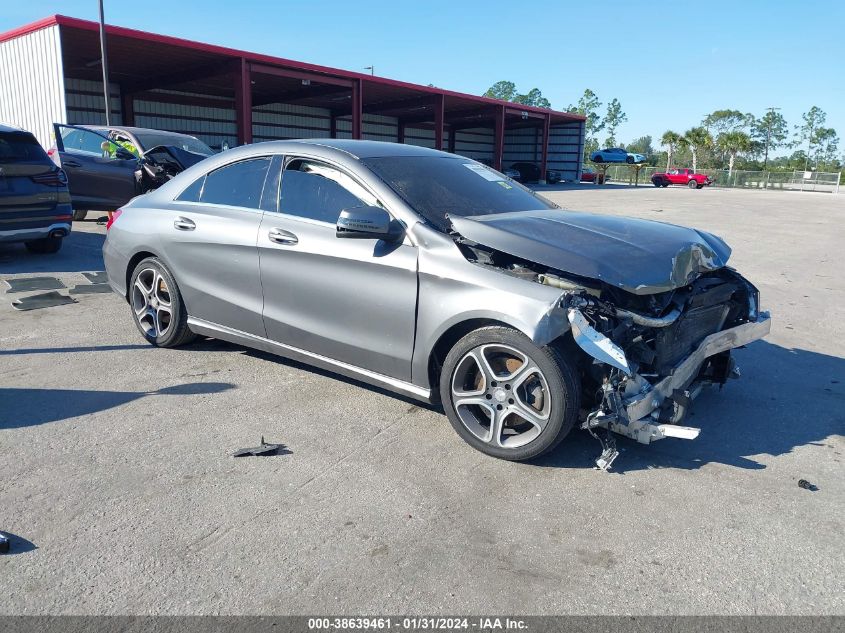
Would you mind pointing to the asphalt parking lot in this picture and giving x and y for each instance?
(117, 481)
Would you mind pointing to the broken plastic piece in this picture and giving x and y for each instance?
(89, 289)
(607, 458)
(98, 277)
(806, 485)
(27, 284)
(596, 344)
(44, 300)
(263, 450)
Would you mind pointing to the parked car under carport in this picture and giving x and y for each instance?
(108, 166)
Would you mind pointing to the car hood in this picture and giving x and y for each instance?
(639, 256)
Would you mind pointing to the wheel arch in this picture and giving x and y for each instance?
(136, 259)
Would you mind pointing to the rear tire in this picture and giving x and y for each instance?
(79, 215)
(598, 159)
(520, 404)
(657, 182)
(44, 246)
(692, 184)
(157, 307)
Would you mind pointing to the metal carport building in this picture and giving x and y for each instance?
(50, 72)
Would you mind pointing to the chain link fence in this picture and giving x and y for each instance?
(741, 179)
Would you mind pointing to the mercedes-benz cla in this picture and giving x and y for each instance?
(434, 276)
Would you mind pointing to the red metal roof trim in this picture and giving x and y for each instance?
(88, 25)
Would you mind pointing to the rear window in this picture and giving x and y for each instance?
(148, 140)
(437, 186)
(20, 147)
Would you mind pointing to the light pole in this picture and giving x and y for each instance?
(769, 117)
(371, 69)
(105, 64)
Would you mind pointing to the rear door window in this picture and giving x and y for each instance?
(237, 185)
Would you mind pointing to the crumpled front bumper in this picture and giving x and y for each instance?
(639, 420)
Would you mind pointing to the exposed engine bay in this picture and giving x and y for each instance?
(163, 163)
(647, 355)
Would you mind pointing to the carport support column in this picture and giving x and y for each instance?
(544, 150)
(243, 102)
(400, 135)
(357, 109)
(499, 138)
(127, 107)
(452, 134)
(332, 125)
(439, 105)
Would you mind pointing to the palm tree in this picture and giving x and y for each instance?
(671, 140)
(733, 143)
(696, 139)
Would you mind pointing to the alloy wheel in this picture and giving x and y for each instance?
(501, 396)
(151, 303)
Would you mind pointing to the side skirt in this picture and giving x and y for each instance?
(224, 333)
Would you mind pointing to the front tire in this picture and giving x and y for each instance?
(157, 307)
(44, 246)
(629, 160)
(507, 397)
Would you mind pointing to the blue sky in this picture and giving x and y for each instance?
(668, 63)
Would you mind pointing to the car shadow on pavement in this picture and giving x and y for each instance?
(71, 350)
(785, 399)
(24, 407)
(216, 345)
(81, 251)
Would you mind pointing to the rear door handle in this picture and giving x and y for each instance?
(280, 236)
(184, 224)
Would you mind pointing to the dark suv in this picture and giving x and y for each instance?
(35, 203)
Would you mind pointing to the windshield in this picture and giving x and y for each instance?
(148, 140)
(437, 186)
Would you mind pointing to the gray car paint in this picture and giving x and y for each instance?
(639, 256)
(346, 305)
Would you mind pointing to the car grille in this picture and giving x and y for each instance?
(675, 342)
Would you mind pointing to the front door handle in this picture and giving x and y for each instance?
(280, 236)
(184, 224)
(70, 163)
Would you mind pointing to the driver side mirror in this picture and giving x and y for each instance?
(372, 223)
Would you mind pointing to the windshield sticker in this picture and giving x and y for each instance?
(504, 184)
(484, 172)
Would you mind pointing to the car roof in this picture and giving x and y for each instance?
(11, 128)
(135, 130)
(368, 149)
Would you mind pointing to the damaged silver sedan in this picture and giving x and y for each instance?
(433, 276)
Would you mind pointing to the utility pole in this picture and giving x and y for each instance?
(105, 63)
(371, 69)
(769, 117)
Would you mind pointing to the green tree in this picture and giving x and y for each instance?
(696, 139)
(670, 140)
(733, 143)
(504, 90)
(721, 121)
(641, 145)
(826, 142)
(770, 132)
(588, 106)
(613, 119)
(533, 98)
(813, 119)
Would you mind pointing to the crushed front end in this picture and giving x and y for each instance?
(652, 354)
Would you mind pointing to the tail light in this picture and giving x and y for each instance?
(56, 178)
(113, 218)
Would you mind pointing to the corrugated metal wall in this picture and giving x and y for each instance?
(566, 147)
(475, 143)
(213, 123)
(522, 145)
(32, 92)
(85, 102)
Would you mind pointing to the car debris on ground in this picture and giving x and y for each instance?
(43, 300)
(263, 450)
(27, 284)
